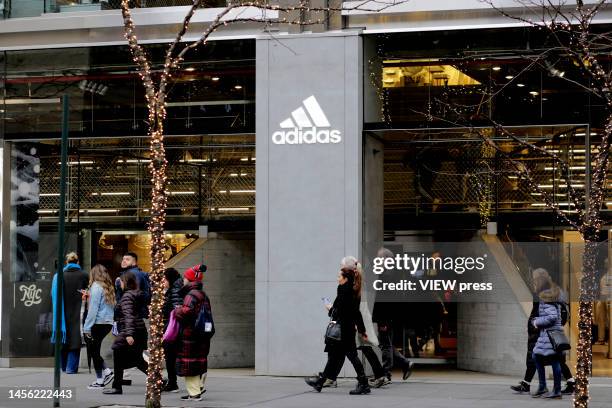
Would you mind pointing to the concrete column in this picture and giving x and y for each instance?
(309, 194)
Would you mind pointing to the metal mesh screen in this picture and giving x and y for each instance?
(111, 178)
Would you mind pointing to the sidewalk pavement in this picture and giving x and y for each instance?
(241, 388)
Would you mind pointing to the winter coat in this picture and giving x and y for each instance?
(130, 321)
(549, 317)
(74, 281)
(172, 298)
(192, 349)
(345, 311)
(144, 285)
(99, 311)
(532, 332)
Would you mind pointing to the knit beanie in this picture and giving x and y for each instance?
(195, 273)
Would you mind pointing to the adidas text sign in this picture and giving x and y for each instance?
(307, 125)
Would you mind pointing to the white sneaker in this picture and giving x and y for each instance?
(95, 386)
(330, 383)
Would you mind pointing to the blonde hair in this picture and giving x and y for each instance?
(350, 263)
(100, 274)
(72, 257)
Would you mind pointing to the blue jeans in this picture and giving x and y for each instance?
(555, 362)
(70, 361)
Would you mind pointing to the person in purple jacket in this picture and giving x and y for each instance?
(549, 317)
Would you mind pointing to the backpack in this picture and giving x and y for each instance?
(204, 324)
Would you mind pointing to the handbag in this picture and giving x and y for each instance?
(333, 333)
(172, 330)
(558, 340)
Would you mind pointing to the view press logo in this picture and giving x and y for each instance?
(307, 125)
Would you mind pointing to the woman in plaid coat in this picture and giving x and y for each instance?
(192, 348)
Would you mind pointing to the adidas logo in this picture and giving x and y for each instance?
(307, 125)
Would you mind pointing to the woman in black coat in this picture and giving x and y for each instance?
(132, 338)
(173, 298)
(345, 310)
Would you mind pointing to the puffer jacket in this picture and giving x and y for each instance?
(549, 317)
(129, 320)
(173, 298)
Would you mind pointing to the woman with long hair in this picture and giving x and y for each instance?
(549, 317)
(99, 321)
(345, 311)
(132, 338)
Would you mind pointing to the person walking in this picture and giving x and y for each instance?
(549, 317)
(131, 339)
(382, 316)
(532, 336)
(99, 321)
(173, 282)
(75, 283)
(129, 263)
(345, 311)
(193, 345)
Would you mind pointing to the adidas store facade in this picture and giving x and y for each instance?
(309, 190)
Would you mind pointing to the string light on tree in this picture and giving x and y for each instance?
(155, 95)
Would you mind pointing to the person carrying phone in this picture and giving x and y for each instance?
(75, 282)
(99, 321)
(345, 311)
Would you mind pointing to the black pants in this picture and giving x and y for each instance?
(390, 355)
(98, 333)
(531, 367)
(335, 361)
(170, 352)
(127, 357)
(372, 358)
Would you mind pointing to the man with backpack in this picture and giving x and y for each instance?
(196, 330)
(532, 337)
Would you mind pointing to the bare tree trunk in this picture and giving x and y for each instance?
(584, 352)
(156, 228)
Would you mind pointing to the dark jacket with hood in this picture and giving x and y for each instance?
(172, 298)
(144, 285)
(130, 322)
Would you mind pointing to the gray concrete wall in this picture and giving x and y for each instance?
(309, 199)
(230, 285)
(492, 337)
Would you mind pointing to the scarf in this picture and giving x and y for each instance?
(53, 301)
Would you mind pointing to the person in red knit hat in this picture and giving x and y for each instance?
(193, 344)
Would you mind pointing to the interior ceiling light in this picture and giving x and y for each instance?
(520, 85)
(215, 78)
(509, 76)
(237, 86)
(190, 69)
(496, 68)
(534, 93)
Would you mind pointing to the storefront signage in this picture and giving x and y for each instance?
(308, 124)
(31, 295)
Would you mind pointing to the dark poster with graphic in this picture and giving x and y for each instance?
(30, 318)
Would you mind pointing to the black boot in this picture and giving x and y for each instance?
(316, 382)
(570, 387)
(522, 387)
(362, 386)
